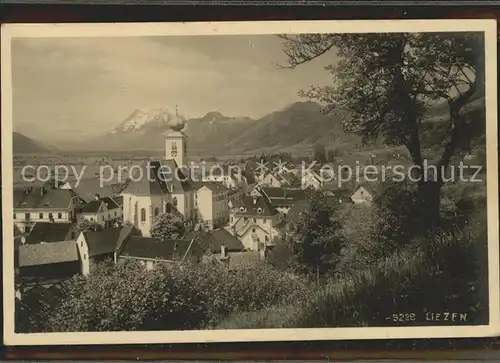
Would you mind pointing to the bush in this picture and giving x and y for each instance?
(409, 281)
(127, 297)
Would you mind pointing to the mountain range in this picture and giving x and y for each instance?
(24, 144)
(296, 128)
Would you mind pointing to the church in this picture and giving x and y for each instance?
(161, 186)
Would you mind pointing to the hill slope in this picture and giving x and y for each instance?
(24, 144)
(296, 127)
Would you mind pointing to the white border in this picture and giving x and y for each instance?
(487, 26)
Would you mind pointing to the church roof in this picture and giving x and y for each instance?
(164, 177)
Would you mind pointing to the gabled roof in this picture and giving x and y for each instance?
(110, 203)
(214, 239)
(87, 188)
(119, 200)
(92, 207)
(50, 198)
(283, 193)
(153, 248)
(49, 232)
(47, 253)
(213, 186)
(103, 241)
(253, 206)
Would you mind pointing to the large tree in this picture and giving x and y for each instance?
(384, 83)
(317, 238)
(168, 226)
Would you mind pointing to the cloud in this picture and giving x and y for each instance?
(91, 84)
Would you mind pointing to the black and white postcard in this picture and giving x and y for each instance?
(249, 181)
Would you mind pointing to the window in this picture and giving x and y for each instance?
(253, 230)
(175, 201)
(51, 217)
(143, 215)
(81, 244)
(115, 214)
(40, 216)
(26, 215)
(173, 151)
(109, 215)
(84, 256)
(245, 219)
(14, 215)
(157, 211)
(168, 208)
(255, 220)
(266, 238)
(59, 215)
(102, 217)
(91, 219)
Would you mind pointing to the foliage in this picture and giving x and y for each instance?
(88, 226)
(316, 239)
(126, 297)
(410, 280)
(386, 82)
(169, 297)
(167, 226)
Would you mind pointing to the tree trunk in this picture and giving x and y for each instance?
(428, 204)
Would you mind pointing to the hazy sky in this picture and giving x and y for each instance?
(92, 84)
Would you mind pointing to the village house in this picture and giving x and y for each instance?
(211, 202)
(228, 175)
(280, 198)
(44, 204)
(253, 220)
(216, 242)
(98, 246)
(103, 210)
(47, 232)
(45, 264)
(362, 196)
(150, 251)
(277, 180)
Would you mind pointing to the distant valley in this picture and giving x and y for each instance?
(296, 128)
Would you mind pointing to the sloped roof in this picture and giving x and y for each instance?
(91, 207)
(103, 241)
(164, 177)
(110, 203)
(88, 188)
(213, 186)
(48, 232)
(152, 248)
(214, 239)
(47, 253)
(52, 198)
(251, 206)
(118, 200)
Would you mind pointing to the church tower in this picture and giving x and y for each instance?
(175, 143)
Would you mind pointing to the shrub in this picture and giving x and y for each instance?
(448, 280)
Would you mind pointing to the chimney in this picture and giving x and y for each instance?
(223, 250)
(96, 196)
(42, 190)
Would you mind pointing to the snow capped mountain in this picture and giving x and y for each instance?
(151, 116)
